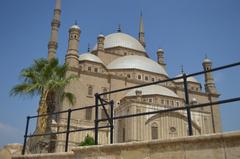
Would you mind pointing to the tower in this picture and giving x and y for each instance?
(52, 44)
(213, 95)
(209, 81)
(141, 32)
(100, 42)
(160, 55)
(73, 43)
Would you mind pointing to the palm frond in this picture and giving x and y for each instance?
(70, 97)
(24, 89)
(44, 75)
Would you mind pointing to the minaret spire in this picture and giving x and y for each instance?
(52, 44)
(141, 28)
(119, 28)
(141, 31)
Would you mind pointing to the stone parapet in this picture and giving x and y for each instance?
(60, 155)
(211, 146)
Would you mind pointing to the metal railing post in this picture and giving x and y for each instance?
(189, 118)
(68, 128)
(96, 118)
(25, 136)
(111, 118)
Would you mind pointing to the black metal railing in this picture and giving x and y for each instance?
(67, 131)
(101, 102)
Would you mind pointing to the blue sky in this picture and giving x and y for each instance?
(186, 30)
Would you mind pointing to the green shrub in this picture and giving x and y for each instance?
(88, 140)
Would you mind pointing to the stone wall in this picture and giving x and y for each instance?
(211, 146)
(10, 149)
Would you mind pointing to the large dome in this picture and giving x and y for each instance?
(137, 62)
(153, 90)
(123, 40)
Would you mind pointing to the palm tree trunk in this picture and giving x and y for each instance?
(42, 121)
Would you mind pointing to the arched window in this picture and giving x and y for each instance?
(139, 77)
(154, 131)
(90, 90)
(89, 69)
(162, 101)
(88, 114)
(177, 103)
(167, 102)
(96, 70)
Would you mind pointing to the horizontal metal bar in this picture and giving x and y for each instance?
(65, 111)
(100, 127)
(142, 85)
(87, 107)
(45, 134)
(48, 114)
(175, 109)
(214, 69)
(70, 131)
(172, 79)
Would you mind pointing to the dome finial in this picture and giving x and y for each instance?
(206, 57)
(119, 28)
(88, 49)
(75, 23)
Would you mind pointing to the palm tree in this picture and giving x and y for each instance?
(44, 78)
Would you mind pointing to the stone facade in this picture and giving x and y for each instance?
(10, 149)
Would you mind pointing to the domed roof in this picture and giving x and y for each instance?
(189, 79)
(137, 62)
(207, 60)
(152, 90)
(90, 57)
(75, 27)
(122, 39)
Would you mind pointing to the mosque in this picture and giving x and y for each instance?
(120, 60)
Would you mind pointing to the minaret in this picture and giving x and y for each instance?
(213, 95)
(100, 42)
(52, 44)
(160, 55)
(141, 32)
(100, 45)
(73, 43)
(209, 81)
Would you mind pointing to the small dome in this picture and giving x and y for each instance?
(153, 90)
(206, 60)
(160, 50)
(90, 57)
(101, 35)
(75, 27)
(123, 40)
(189, 79)
(137, 62)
